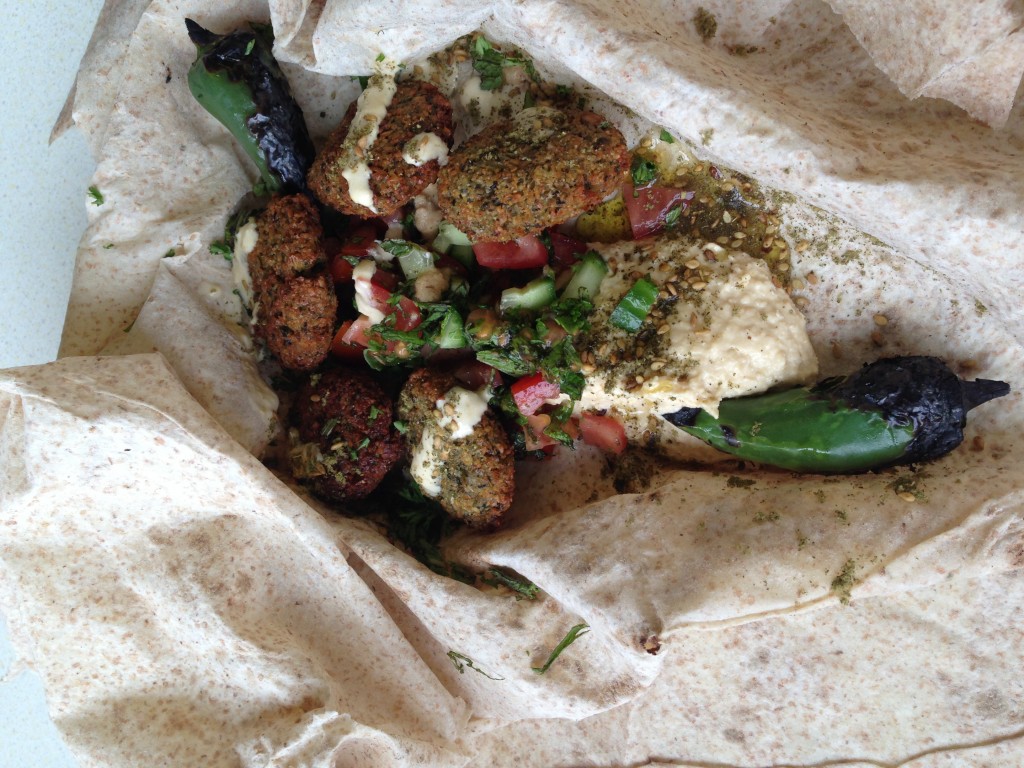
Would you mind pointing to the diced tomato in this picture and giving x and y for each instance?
(356, 332)
(385, 279)
(603, 432)
(525, 253)
(564, 249)
(346, 350)
(444, 261)
(533, 432)
(341, 268)
(359, 240)
(530, 392)
(374, 295)
(407, 314)
(648, 206)
(474, 375)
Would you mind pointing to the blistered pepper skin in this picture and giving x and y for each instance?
(236, 79)
(898, 410)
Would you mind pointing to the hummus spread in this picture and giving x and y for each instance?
(720, 328)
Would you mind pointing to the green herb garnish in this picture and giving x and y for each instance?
(569, 639)
(328, 427)
(667, 137)
(461, 661)
(643, 171)
(96, 195)
(220, 248)
(524, 589)
(489, 62)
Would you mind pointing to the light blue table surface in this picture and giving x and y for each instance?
(42, 215)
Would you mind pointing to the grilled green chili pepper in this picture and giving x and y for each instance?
(236, 79)
(897, 410)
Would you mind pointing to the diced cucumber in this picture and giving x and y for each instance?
(631, 311)
(535, 295)
(449, 235)
(451, 334)
(463, 254)
(415, 261)
(587, 276)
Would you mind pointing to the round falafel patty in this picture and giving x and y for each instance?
(416, 108)
(295, 303)
(348, 441)
(475, 474)
(538, 169)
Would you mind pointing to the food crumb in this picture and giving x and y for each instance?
(843, 583)
(705, 23)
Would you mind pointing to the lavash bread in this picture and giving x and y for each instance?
(717, 631)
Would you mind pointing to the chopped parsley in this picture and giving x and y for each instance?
(220, 248)
(523, 588)
(249, 46)
(643, 171)
(328, 427)
(96, 196)
(667, 137)
(489, 63)
(462, 661)
(569, 639)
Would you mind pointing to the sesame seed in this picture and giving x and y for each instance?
(783, 266)
(639, 379)
(663, 329)
(881, 320)
(907, 496)
(767, 243)
(693, 264)
(699, 285)
(802, 301)
(727, 217)
(802, 246)
(672, 289)
(657, 365)
(812, 278)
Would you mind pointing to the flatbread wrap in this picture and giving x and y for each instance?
(211, 613)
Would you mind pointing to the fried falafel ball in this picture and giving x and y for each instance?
(538, 169)
(416, 110)
(473, 477)
(295, 304)
(347, 441)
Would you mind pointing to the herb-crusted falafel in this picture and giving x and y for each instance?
(346, 432)
(475, 474)
(536, 170)
(295, 304)
(416, 108)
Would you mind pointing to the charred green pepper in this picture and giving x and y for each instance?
(898, 410)
(236, 79)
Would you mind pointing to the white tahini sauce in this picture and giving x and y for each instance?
(424, 147)
(245, 241)
(371, 108)
(362, 274)
(424, 467)
(467, 409)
